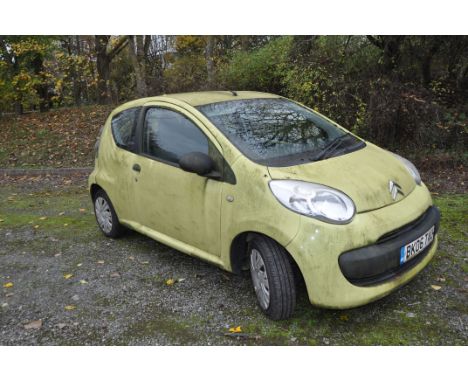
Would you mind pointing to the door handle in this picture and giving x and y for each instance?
(136, 167)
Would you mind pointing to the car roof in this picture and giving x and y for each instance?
(203, 98)
(197, 98)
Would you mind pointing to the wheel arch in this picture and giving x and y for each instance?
(94, 188)
(238, 251)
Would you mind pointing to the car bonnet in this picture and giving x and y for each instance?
(366, 176)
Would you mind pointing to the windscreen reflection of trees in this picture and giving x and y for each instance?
(271, 128)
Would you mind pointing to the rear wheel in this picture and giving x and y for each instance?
(272, 277)
(105, 215)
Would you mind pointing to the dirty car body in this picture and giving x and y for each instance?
(253, 180)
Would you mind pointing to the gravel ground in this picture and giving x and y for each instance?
(63, 283)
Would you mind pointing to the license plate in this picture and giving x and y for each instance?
(414, 248)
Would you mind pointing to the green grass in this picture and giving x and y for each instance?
(454, 216)
(57, 211)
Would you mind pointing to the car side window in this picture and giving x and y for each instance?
(123, 128)
(168, 135)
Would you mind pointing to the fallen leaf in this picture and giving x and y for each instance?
(61, 213)
(100, 261)
(8, 285)
(236, 329)
(57, 255)
(43, 218)
(36, 226)
(170, 282)
(83, 282)
(65, 225)
(36, 324)
(9, 294)
(68, 276)
(82, 210)
(180, 280)
(344, 317)
(144, 262)
(70, 307)
(436, 287)
(79, 264)
(131, 257)
(115, 274)
(440, 279)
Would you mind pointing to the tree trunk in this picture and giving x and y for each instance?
(41, 88)
(426, 70)
(138, 51)
(18, 108)
(245, 42)
(209, 60)
(76, 76)
(462, 77)
(103, 69)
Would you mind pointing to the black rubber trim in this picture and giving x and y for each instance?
(380, 262)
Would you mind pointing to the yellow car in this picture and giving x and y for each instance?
(249, 180)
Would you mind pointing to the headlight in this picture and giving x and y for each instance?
(411, 168)
(315, 200)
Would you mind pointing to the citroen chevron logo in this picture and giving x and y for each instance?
(394, 189)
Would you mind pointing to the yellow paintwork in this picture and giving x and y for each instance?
(192, 213)
(363, 175)
(320, 244)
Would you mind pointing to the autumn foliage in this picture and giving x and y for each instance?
(398, 91)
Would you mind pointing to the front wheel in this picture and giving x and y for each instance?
(106, 216)
(272, 278)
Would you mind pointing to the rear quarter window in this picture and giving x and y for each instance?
(123, 128)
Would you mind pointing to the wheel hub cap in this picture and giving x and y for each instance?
(260, 278)
(103, 214)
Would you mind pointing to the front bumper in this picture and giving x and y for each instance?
(380, 262)
(318, 248)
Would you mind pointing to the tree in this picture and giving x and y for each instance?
(210, 41)
(106, 49)
(187, 71)
(390, 47)
(26, 81)
(139, 48)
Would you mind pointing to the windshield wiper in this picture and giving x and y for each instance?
(330, 147)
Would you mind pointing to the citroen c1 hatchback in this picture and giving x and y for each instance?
(249, 180)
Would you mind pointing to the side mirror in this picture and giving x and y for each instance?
(199, 163)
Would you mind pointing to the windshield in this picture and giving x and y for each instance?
(276, 131)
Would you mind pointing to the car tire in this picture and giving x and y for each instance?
(106, 216)
(272, 277)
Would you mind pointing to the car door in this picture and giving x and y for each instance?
(117, 175)
(171, 201)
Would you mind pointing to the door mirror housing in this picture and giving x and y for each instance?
(198, 163)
